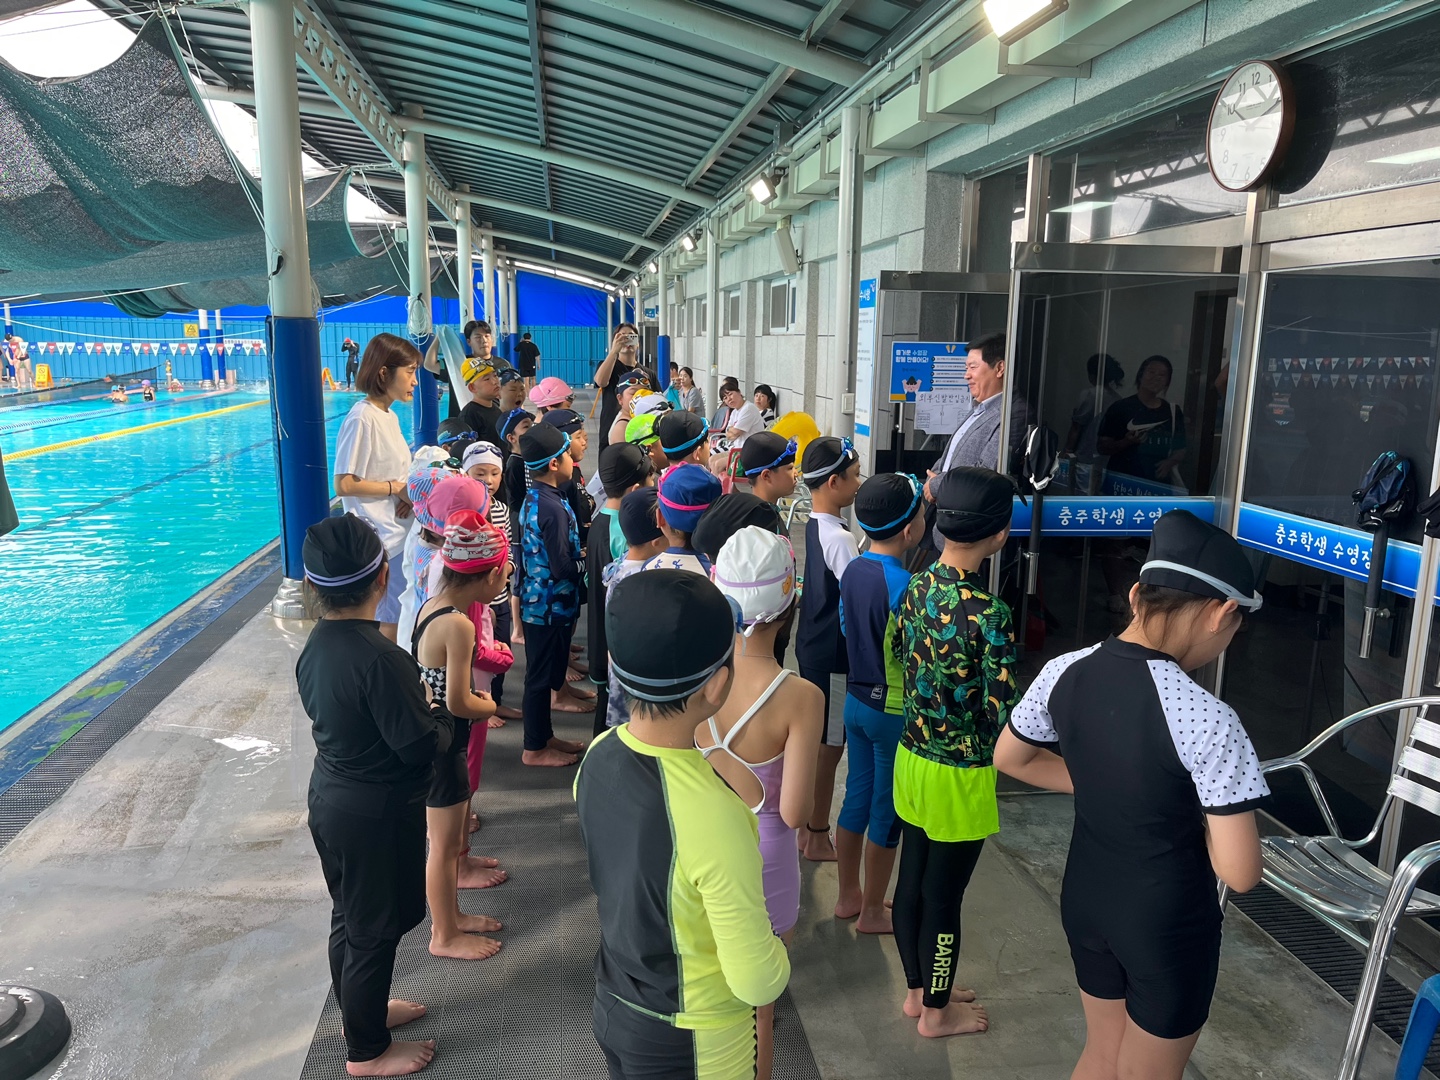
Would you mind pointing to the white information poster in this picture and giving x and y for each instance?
(865, 359)
(941, 412)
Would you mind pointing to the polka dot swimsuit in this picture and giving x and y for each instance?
(1151, 753)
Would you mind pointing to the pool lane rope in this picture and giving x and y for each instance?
(36, 451)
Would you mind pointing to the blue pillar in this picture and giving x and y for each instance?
(427, 401)
(207, 364)
(297, 401)
(219, 349)
(662, 360)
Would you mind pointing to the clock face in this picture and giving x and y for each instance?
(1250, 125)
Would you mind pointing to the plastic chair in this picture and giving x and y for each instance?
(1420, 1030)
(1329, 878)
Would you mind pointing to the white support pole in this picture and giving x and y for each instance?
(712, 305)
(294, 334)
(207, 359)
(662, 298)
(487, 267)
(847, 271)
(512, 306)
(609, 319)
(465, 262)
(417, 248)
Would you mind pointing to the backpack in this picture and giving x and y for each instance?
(1386, 493)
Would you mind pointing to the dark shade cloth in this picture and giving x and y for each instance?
(826, 456)
(972, 503)
(638, 516)
(765, 450)
(886, 503)
(542, 444)
(728, 515)
(1182, 538)
(340, 547)
(567, 420)
(680, 432)
(678, 607)
(623, 465)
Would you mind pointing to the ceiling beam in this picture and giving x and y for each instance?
(536, 241)
(748, 112)
(748, 37)
(472, 137)
(486, 202)
(665, 212)
(537, 82)
(826, 18)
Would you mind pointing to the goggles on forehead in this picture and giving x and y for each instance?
(916, 492)
(459, 436)
(787, 457)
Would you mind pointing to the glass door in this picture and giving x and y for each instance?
(1122, 352)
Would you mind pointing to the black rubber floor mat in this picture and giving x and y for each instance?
(524, 1014)
(1332, 958)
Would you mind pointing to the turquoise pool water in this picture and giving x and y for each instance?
(116, 533)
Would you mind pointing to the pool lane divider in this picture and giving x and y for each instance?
(134, 406)
(36, 451)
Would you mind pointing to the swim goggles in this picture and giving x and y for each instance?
(550, 457)
(848, 454)
(1249, 603)
(347, 579)
(671, 451)
(653, 688)
(787, 457)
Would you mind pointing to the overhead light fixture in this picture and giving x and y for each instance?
(687, 242)
(1083, 206)
(1414, 157)
(1013, 19)
(654, 267)
(765, 187)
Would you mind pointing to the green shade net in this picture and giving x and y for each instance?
(116, 184)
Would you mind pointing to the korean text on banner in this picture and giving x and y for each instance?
(865, 357)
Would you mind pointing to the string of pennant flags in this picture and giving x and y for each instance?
(160, 350)
(1403, 372)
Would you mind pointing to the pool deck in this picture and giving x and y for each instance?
(173, 900)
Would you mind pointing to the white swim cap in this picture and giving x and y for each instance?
(756, 571)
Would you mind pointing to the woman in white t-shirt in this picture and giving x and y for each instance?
(372, 458)
(735, 421)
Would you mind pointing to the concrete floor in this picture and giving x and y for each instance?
(173, 900)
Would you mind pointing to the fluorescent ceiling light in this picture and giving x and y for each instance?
(764, 187)
(1083, 205)
(687, 242)
(1013, 19)
(1414, 157)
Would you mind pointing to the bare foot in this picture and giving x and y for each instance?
(472, 876)
(464, 947)
(575, 690)
(848, 906)
(580, 666)
(817, 845)
(478, 924)
(915, 999)
(495, 722)
(957, 1018)
(484, 860)
(576, 650)
(475, 827)
(873, 923)
(561, 701)
(508, 712)
(565, 746)
(399, 1013)
(399, 1059)
(546, 757)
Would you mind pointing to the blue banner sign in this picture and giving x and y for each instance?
(1081, 475)
(919, 367)
(1328, 547)
(1086, 515)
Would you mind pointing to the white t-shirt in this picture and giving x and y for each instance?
(372, 447)
(748, 419)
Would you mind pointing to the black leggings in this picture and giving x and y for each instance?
(547, 654)
(933, 877)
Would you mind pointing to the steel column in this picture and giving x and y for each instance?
(417, 248)
(219, 349)
(487, 267)
(712, 305)
(294, 334)
(465, 262)
(512, 316)
(662, 319)
(847, 270)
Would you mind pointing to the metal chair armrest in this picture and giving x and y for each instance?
(1313, 783)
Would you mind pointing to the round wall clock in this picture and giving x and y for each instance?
(1250, 125)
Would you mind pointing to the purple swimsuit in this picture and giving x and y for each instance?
(777, 840)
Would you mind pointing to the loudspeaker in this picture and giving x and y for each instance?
(679, 285)
(785, 244)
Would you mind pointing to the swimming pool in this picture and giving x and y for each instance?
(125, 513)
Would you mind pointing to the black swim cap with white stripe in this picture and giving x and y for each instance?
(1194, 556)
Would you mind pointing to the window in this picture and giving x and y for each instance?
(732, 312)
(701, 316)
(780, 306)
(677, 316)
